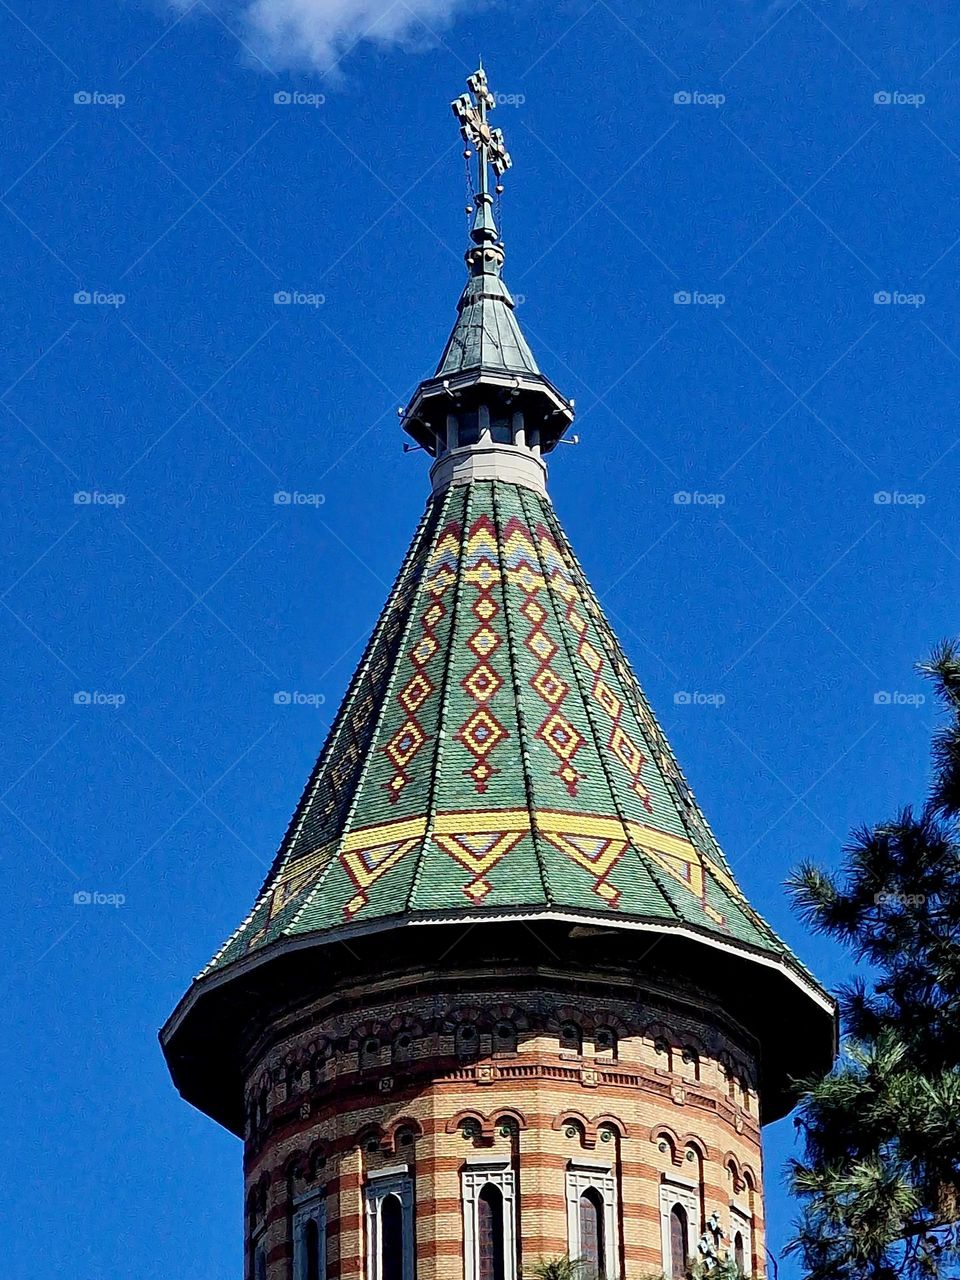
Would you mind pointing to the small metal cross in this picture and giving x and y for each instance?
(475, 129)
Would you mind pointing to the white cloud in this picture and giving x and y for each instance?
(318, 33)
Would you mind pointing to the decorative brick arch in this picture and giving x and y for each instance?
(389, 1141)
(611, 1122)
(691, 1141)
(509, 1113)
(486, 1125)
(732, 1166)
(663, 1133)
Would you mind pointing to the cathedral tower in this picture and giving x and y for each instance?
(500, 997)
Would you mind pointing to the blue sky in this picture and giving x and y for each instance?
(783, 590)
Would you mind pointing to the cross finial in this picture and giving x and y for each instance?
(471, 110)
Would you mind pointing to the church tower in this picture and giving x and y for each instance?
(500, 997)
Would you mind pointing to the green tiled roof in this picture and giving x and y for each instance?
(494, 753)
(486, 334)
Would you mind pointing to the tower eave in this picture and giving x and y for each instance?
(424, 417)
(791, 1017)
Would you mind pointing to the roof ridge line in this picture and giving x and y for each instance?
(607, 634)
(381, 712)
(336, 728)
(431, 811)
(587, 706)
(521, 715)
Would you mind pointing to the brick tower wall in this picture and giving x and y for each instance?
(523, 1071)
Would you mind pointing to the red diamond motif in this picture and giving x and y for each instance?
(484, 642)
(626, 751)
(482, 683)
(549, 686)
(415, 693)
(560, 736)
(424, 651)
(481, 733)
(541, 646)
(405, 744)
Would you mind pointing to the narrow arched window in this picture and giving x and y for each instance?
(490, 1234)
(592, 1244)
(391, 1239)
(311, 1249)
(739, 1256)
(679, 1242)
(260, 1262)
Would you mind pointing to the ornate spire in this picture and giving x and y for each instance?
(488, 411)
(491, 154)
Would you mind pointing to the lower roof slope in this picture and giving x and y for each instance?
(494, 755)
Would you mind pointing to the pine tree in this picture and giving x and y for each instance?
(880, 1177)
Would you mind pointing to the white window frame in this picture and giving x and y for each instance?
(393, 1181)
(687, 1195)
(260, 1255)
(309, 1208)
(476, 1175)
(586, 1175)
(741, 1221)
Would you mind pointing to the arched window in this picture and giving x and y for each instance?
(468, 1041)
(505, 1037)
(391, 1239)
(739, 1256)
(571, 1037)
(490, 1233)
(605, 1040)
(592, 1244)
(311, 1249)
(260, 1262)
(679, 1242)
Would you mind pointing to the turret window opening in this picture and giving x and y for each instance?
(501, 428)
(592, 1218)
(389, 1204)
(680, 1223)
(468, 428)
(310, 1240)
(489, 1228)
(591, 1233)
(260, 1261)
(679, 1242)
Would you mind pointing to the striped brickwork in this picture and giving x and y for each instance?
(429, 1079)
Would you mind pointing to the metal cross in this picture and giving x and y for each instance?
(475, 129)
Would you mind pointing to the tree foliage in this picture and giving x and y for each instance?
(880, 1177)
